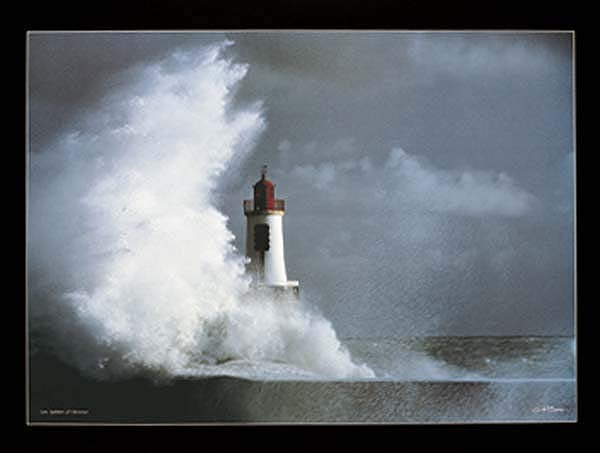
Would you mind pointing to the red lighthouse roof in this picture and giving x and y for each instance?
(264, 192)
(264, 197)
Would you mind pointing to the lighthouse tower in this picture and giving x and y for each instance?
(264, 237)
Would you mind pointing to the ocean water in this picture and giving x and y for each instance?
(467, 358)
(418, 380)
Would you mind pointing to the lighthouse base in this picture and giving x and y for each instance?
(290, 289)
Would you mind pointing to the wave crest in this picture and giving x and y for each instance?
(131, 265)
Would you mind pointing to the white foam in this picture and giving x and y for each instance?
(131, 262)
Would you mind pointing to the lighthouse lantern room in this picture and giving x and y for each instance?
(264, 237)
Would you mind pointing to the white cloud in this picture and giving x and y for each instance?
(405, 180)
(320, 176)
(462, 192)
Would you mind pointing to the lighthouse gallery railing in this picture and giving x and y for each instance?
(278, 205)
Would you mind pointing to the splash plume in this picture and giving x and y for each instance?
(131, 266)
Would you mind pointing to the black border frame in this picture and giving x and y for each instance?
(294, 14)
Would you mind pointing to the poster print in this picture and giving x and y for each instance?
(300, 227)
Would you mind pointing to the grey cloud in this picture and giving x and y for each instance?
(362, 64)
(488, 56)
(463, 242)
(509, 110)
(473, 236)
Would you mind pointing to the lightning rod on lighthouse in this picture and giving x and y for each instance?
(264, 238)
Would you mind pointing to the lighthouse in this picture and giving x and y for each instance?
(264, 238)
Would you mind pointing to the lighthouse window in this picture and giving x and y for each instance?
(261, 237)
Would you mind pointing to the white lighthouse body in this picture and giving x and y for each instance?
(271, 271)
(264, 238)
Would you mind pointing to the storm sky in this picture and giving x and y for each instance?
(428, 176)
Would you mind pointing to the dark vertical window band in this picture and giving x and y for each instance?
(261, 237)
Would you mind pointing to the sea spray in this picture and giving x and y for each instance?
(131, 266)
